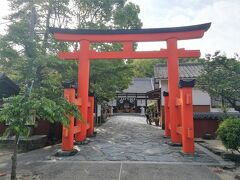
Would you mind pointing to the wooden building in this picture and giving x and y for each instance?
(203, 104)
(7, 87)
(188, 71)
(132, 99)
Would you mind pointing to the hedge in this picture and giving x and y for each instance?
(214, 115)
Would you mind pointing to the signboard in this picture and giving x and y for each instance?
(99, 110)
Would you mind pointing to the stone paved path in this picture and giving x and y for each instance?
(129, 138)
(125, 148)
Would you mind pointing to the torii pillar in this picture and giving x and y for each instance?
(83, 87)
(173, 79)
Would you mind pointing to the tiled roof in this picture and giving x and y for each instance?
(140, 85)
(186, 70)
(7, 86)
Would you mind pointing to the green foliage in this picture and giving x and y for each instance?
(127, 17)
(107, 77)
(102, 14)
(229, 133)
(28, 52)
(220, 78)
(145, 67)
(17, 110)
(214, 115)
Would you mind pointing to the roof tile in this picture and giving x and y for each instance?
(140, 85)
(186, 70)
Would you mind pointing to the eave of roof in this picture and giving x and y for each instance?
(139, 86)
(7, 86)
(204, 27)
(186, 71)
(154, 94)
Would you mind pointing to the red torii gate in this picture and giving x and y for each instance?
(180, 127)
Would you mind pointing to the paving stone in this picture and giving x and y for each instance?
(143, 150)
(129, 138)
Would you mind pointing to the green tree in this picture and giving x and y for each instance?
(145, 67)
(17, 111)
(107, 77)
(28, 36)
(220, 78)
(127, 17)
(28, 51)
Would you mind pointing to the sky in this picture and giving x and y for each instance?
(223, 35)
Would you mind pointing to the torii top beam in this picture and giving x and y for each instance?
(132, 35)
(127, 37)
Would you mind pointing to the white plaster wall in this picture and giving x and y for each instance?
(220, 110)
(199, 97)
(141, 102)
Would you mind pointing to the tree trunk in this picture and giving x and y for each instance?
(14, 158)
(46, 33)
(234, 104)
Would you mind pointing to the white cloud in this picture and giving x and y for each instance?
(4, 9)
(224, 15)
(3, 12)
(223, 34)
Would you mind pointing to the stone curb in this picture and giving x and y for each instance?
(218, 155)
(225, 155)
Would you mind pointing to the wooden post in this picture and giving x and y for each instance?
(68, 132)
(187, 116)
(83, 81)
(173, 79)
(91, 116)
(166, 112)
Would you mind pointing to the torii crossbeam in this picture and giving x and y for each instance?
(127, 37)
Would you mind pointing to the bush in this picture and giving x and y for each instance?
(229, 133)
(214, 115)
